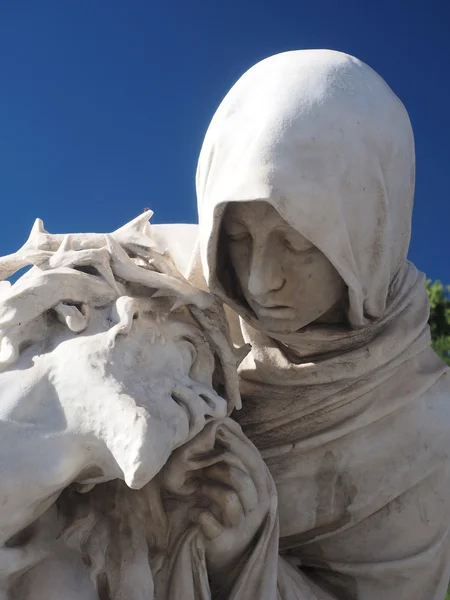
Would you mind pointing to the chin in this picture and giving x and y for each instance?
(281, 325)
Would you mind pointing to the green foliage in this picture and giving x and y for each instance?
(439, 320)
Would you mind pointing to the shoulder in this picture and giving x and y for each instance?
(180, 239)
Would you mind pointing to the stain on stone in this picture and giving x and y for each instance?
(335, 495)
(335, 492)
(342, 587)
(103, 587)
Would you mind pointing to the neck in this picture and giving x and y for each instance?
(337, 315)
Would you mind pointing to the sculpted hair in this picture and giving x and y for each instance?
(74, 273)
(115, 530)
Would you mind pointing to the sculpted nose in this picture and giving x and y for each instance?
(265, 273)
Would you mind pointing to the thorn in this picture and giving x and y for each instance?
(36, 231)
(161, 293)
(116, 249)
(38, 227)
(108, 275)
(138, 246)
(65, 245)
(178, 304)
(137, 224)
(241, 352)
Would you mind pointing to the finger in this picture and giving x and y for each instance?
(199, 453)
(217, 405)
(227, 501)
(195, 450)
(193, 405)
(232, 437)
(199, 403)
(187, 458)
(216, 456)
(208, 523)
(237, 480)
(182, 472)
(203, 451)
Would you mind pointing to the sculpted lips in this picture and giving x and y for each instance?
(275, 311)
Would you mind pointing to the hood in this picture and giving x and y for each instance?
(323, 139)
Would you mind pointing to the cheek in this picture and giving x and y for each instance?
(147, 357)
(240, 260)
(315, 281)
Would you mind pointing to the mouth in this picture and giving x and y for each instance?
(276, 311)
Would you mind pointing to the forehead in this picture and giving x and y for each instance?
(261, 220)
(253, 211)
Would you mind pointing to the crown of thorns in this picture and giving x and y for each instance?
(85, 268)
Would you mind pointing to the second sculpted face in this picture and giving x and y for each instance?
(286, 280)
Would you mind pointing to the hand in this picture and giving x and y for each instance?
(200, 402)
(232, 487)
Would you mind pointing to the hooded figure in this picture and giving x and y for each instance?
(351, 416)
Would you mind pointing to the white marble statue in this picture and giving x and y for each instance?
(305, 190)
(129, 469)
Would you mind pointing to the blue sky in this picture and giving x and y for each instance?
(104, 103)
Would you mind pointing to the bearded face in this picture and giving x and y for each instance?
(140, 384)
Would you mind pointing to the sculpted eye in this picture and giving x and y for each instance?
(291, 246)
(239, 236)
(298, 246)
(236, 231)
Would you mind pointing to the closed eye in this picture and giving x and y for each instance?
(290, 247)
(238, 237)
(297, 248)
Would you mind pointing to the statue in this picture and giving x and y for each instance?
(104, 374)
(130, 470)
(305, 189)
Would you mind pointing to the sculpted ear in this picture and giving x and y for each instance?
(75, 316)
